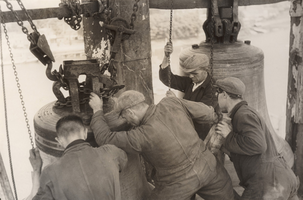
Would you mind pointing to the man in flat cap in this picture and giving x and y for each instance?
(262, 171)
(165, 136)
(196, 86)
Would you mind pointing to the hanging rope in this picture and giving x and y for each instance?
(169, 39)
(5, 113)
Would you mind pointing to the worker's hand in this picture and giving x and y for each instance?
(170, 93)
(168, 49)
(223, 129)
(35, 159)
(95, 102)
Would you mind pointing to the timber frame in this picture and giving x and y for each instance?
(92, 7)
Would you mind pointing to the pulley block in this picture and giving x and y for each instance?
(40, 48)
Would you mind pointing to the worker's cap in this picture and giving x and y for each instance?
(231, 85)
(128, 99)
(190, 63)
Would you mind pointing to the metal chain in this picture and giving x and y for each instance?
(19, 21)
(170, 38)
(5, 112)
(18, 86)
(75, 20)
(134, 14)
(211, 61)
(29, 19)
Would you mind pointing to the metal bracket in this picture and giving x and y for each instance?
(40, 48)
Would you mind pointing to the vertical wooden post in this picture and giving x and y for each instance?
(133, 63)
(134, 59)
(4, 182)
(294, 112)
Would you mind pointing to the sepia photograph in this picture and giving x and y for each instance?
(151, 100)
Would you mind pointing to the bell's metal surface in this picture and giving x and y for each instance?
(245, 62)
(133, 181)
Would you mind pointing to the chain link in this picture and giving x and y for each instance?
(133, 17)
(170, 38)
(211, 60)
(18, 86)
(19, 21)
(29, 19)
(75, 20)
(5, 112)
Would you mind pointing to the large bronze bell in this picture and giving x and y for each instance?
(133, 181)
(245, 62)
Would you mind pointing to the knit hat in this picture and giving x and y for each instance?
(128, 99)
(193, 62)
(231, 85)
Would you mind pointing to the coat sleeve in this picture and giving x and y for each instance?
(46, 188)
(199, 112)
(177, 82)
(250, 138)
(129, 141)
(118, 155)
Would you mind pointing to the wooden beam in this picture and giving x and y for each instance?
(294, 107)
(191, 4)
(44, 13)
(92, 7)
(4, 182)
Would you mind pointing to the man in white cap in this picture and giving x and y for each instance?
(164, 135)
(196, 85)
(262, 171)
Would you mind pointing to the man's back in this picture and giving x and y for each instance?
(83, 172)
(170, 138)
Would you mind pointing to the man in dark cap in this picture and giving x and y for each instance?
(83, 172)
(262, 171)
(196, 85)
(164, 135)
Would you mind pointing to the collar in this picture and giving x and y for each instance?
(236, 108)
(203, 83)
(196, 85)
(75, 142)
(150, 111)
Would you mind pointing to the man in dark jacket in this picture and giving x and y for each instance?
(164, 135)
(83, 172)
(262, 171)
(197, 86)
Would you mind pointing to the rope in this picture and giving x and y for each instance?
(5, 112)
(170, 40)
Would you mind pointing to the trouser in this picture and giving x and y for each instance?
(278, 183)
(207, 178)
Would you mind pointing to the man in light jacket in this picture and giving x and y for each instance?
(165, 136)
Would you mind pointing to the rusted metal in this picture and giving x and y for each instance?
(95, 81)
(40, 48)
(294, 107)
(223, 27)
